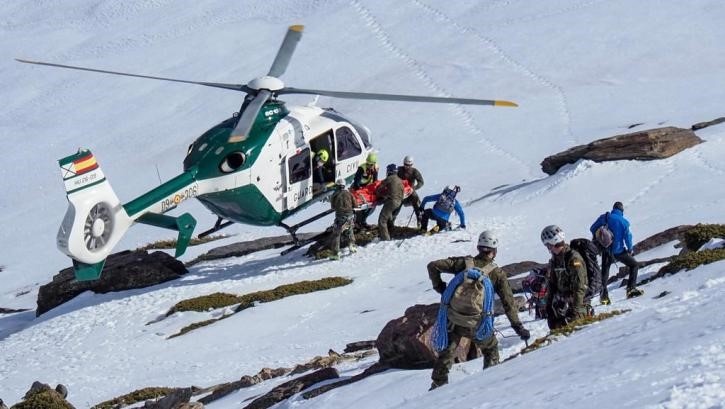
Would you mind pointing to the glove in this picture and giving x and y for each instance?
(474, 274)
(463, 226)
(440, 288)
(521, 331)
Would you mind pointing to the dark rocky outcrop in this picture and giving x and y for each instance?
(644, 145)
(359, 346)
(123, 271)
(292, 387)
(658, 239)
(12, 310)
(246, 247)
(42, 396)
(701, 125)
(173, 400)
(514, 269)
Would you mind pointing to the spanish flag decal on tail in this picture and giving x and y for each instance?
(80, 171)
(78, 164)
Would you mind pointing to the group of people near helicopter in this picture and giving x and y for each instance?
(467, 299)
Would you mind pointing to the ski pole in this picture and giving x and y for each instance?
(410, 218)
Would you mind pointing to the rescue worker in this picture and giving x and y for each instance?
(390, 193)
(415, 179)
(460, 325)
(320, 172)
(366, 174)
(445, 204)
(343, 203)
(621, 249)
(567, 280)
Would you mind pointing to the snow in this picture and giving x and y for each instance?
(580, 70)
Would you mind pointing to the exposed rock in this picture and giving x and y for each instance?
(292, 387)
(123, 271)
(359, 346)
(643, 145)
(246, 247)
(2, 405)
(658, 239)
(521, 267)
(374, 369)
(191, 405)
(41, 396)
(244, 382)
(318, 362)
(405, 342)
(171, 401)
(11, 310)
(701, 125)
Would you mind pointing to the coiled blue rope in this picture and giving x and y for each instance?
(485, 327)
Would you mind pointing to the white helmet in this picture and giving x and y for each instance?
(487, 239)
(552, 235)
(408, 160)
(340, 182)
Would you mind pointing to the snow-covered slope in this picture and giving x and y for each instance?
(580, 70)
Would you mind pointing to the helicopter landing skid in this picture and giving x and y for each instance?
(292, 230)
(217, 226)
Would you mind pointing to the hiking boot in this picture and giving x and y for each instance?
(352, 248)
(605, 300)
(334, 257)
(435, 229)
(634, 292)
(435, 385)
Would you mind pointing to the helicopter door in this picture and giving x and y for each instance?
(299, 178)
(348, 152)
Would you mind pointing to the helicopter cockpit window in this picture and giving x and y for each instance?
(232, 162)
(347, 144)
(299, 167)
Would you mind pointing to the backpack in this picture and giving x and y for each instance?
(589, 251)
(466, 305)
(446, 201)
(536, 284)
(604, 235)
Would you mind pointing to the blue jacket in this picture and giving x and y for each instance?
(441, 214)
(620, 229)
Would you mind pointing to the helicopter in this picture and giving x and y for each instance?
(252, 168)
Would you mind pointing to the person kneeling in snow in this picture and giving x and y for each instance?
(467, 306)
(445, 204)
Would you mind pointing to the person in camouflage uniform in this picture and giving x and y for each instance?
(567, 280)
(415, 179)
(343, 203)
(487, 248)
(390, 192)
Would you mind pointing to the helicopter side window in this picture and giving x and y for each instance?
(347, 144)
(299, 167)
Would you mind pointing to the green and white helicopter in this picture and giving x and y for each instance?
(253, 168)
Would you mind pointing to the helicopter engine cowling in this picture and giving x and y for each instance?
(95, 220)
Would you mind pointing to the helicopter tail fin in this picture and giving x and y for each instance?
(95, 219)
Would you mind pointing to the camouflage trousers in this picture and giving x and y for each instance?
(386, 220)
(342, 224)
(488, 348)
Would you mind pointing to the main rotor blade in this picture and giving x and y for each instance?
(394, 97)
(249, 115)
(279, 66)
(235, 87)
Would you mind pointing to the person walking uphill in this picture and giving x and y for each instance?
(343, 203)
(390, 191)
(620, 249)
(567, 280)
(415, 179)
(467, 305)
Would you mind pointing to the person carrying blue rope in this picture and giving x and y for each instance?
(467, 306)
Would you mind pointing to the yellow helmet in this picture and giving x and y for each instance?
(322, 155)
(372, 158)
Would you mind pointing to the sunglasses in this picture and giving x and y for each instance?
(551, 246)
